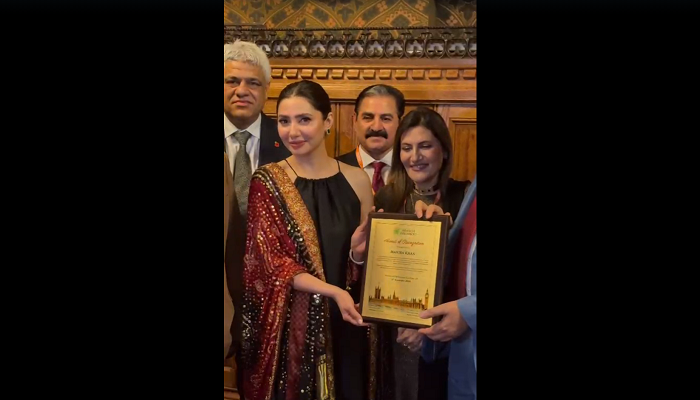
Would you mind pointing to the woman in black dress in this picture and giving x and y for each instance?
(302, 335)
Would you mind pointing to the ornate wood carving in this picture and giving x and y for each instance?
(424, 80)
(369, 44)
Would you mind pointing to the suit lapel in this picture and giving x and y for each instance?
(271, 148)
(456, 230)
(462, 216)
(264, 140)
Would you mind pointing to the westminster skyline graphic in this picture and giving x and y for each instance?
(394, 300)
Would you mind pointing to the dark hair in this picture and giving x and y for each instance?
(401, 184)
(382, 90)
(312, 92)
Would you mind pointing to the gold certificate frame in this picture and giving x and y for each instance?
(404, 271)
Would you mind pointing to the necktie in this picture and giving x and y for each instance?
(243, 172)
(378, 181)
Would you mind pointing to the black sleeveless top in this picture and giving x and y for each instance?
(336, 211)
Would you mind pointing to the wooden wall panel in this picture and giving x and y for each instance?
(461, 120)
(346, 140)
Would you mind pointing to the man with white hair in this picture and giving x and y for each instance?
(250, 141)
(247, 77)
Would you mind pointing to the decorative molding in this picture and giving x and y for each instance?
(369, 43)
(353, 73)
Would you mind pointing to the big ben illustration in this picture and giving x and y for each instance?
(427, 298)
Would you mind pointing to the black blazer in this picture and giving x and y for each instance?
(350, 159)
(272, 150)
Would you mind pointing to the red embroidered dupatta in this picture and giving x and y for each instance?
(287, 350)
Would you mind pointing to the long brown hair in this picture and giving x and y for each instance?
(401, 185)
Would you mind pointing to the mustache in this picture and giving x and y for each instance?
(372, 133)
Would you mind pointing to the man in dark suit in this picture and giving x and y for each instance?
(378, 112)
(250, 141)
